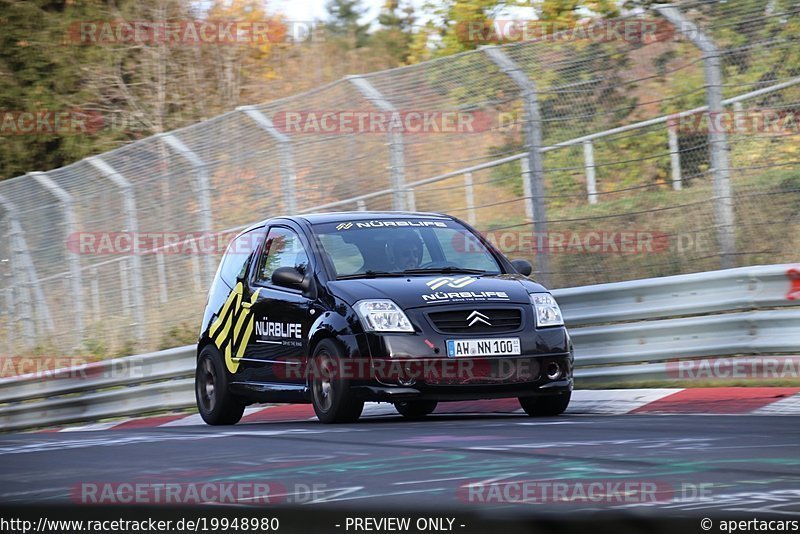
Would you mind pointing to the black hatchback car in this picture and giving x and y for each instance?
(337, 309)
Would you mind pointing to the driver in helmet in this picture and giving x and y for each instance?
(405, 252)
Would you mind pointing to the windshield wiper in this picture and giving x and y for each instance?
(444, 270)
(369, 274)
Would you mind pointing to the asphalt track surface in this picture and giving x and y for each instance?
(700, 464)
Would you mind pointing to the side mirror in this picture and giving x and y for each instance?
(523, 267)
(289, 277)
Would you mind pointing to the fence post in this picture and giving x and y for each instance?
(25, 278)
(203, 189)
(396, 149)
(717, 139)
(411, 199)
(10, 307)
(95, 287)
(591, 179)
(161, 272)
(533, 142)
(530, 209)
(75, 275)
(469, 194)
(674, 157)
(738, 110)
(288, 173)
(132, 226)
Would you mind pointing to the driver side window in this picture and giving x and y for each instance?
(283, 248)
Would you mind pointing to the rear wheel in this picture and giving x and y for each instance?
(548, 405)
(415, 409)
(216, 404)
(330, 393)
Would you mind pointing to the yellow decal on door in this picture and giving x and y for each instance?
(226, 329)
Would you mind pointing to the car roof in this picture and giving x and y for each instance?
(318, 218)
(339, 216)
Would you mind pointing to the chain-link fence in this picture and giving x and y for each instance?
(668, 149)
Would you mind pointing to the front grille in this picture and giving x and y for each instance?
(458, 321)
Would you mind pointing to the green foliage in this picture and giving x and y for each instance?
(344, 23)
(395, 36)
(40, 72)
(459, 15)
(178, 336)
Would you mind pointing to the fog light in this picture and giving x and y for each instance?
(407, 381)
(407, 378)
(553, 371)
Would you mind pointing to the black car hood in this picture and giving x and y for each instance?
(418, 291)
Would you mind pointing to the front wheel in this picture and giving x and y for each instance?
(217, 406)
(330, 393)
(415, 409)
(544, 406)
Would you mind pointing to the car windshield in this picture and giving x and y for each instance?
(383, 247)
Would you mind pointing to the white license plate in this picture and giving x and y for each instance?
(483, 347)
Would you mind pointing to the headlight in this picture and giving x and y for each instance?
(547, 311)
(382, 316)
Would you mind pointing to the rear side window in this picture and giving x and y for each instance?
(282, 249)
(235, 262)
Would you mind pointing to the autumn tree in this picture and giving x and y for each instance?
(395, 33)
(344, 24)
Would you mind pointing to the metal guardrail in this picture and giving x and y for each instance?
(741, 289)
(626, 331)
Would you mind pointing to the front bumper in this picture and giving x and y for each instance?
(461, 392)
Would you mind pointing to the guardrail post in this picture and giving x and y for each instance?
(204, 192)
(469, 197)
(674, 157)
(396, 149)
(361, 205)
(132, 226)
(288, 173)
(591, 179)
(25, 279)
(75, 275)
(717, 139)
(533, 141)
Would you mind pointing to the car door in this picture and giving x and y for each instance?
(281, 318)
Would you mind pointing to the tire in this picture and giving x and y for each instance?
(330, 393)
(217, 406)
(415, 409)
(546, 406)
